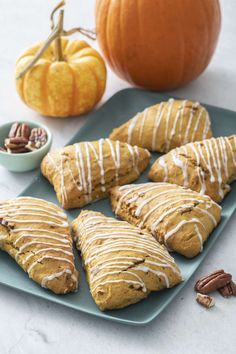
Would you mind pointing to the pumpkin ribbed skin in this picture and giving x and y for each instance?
(62, 88)
(158, 44)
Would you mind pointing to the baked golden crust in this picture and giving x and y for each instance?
(207, 166)
(177, 217)
(122, 263)
(84, 172)
(36, 234)
(166, 125)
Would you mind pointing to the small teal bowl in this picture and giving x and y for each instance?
(23, 162)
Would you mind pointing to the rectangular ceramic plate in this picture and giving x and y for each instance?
(116, 111)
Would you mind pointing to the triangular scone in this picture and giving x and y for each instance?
(177, 217)
(166, 125)
(36, 234)
(207, 166)
(84, 172)
(123, 264)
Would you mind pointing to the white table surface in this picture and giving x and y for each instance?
(29, 325)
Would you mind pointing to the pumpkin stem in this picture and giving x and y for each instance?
(58, 49)
(39, 53)
(88, 33)
(61, 4)
(55, 35)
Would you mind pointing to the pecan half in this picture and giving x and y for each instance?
(18, 138)
(213, 281)
(37, 139)
(19, 130)
(228, 290)
(205, 300)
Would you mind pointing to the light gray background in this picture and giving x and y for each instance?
(29, 325)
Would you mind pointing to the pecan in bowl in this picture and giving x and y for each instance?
(21, 138)
(23, 145)
(37, 138)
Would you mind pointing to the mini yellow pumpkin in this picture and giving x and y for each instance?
(61, 77)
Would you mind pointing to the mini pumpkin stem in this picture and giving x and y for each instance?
(58, 49)
(61, 4)
(55, 35)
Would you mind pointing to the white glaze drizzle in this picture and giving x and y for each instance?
(115, 153)
(143, 120)
(85, 176)
(29, 205)
(217, 160)
(129, 188)
(181, 224)
(198, 120)
(102, 172)
(157, 121)
(61, 174)
(169, 197)
(233, 155)
(224, 157)
(58, 241)
(207, 125)
(178, 117)
(190, 121)
(182, 117)
(164, 198)
(173, 130)
(47, 249)
(131, 128)
(53, 276)
(163, 164)
(83, 160)
(199, 171)
(81, 170)
(38, 235)
(40, 260)
(89, 172)
(181, 164)
(170, 103)
(63, 224)
(136, 154)
(101, 256)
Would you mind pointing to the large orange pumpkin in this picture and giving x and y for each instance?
(158, 44)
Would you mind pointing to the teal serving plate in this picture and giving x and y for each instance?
(116, 111)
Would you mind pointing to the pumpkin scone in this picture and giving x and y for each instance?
(176, 216)
(84, 172)
(166, 125)
(208, 166)
(36, 234)
(123, 264)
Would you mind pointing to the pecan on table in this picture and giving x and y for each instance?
(228, 290)
(37, 139)
(213, 281)
(205, 300)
